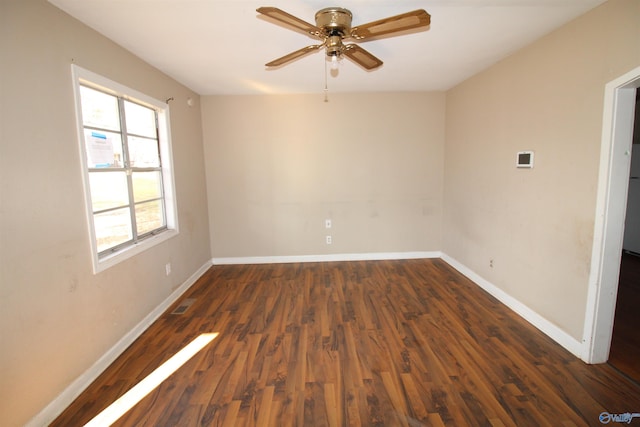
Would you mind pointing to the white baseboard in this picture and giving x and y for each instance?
(552, 331)
(376, 256)
(60, 403)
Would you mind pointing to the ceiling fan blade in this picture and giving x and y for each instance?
(293, 55)
(291, 21)
(361, 56)
(406, 21)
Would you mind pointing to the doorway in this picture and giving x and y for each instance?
(613, 184)
(625, 342)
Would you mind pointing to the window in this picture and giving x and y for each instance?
(126, 164)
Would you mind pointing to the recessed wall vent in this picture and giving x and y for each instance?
(184, 306)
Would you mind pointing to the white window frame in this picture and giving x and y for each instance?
(88, 78)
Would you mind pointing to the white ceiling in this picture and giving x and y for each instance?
(221, 46)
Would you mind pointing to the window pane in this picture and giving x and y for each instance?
(149, 216)
(99, 109)
(108, 190)
(104, 149)
(143, 152)
(112, 228)
(140, 120)
(146, 185)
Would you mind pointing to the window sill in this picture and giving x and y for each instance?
(101, 264)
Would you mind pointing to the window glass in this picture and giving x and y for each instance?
(104, 149)
(149, 216)
(99, 110)
(140, 119)
(146, 186)
(112, 228)
(143, 152)
(108, 190)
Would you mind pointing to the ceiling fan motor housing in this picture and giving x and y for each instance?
(335, 23)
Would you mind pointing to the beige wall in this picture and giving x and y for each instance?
(536, 225)
(278, 166)
(56, 317)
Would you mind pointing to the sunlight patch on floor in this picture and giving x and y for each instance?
(118, 408)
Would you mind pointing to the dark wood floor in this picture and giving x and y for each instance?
(381, 343)
(625, 344)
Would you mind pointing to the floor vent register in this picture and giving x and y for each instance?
(184, 306)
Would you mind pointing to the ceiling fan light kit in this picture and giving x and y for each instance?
(333, 27)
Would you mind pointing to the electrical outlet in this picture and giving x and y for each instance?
(491, 263)
(327, 223)
(167, 268)
(328, 240)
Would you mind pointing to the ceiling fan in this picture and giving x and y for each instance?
(333, 26)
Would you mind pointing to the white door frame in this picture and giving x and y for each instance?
(613, 185)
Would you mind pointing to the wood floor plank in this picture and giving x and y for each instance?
(331, 405)
(230, 418)
(625, 342)
(417, 409)
(264, 411)
(363, 343)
